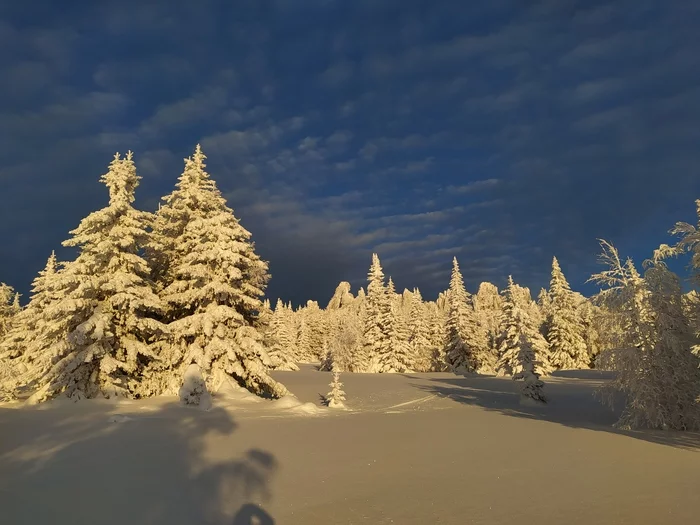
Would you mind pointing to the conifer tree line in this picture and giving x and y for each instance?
(644, 328)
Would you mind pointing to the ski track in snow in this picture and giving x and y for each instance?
(413, 402)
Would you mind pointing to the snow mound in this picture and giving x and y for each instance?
(307, 408)
(287, 402)
(231, 392)
(292, 404)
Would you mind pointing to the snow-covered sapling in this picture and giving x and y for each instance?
(336, 397)
(194, 390)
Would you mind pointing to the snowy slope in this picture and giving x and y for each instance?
(413, 449)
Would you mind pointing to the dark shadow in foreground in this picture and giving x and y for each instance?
(251, 514)
(571, 403)
(100, 463)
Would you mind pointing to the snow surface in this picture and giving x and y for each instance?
(411, 449)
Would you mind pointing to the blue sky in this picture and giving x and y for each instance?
(502, 132)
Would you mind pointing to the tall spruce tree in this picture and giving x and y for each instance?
(564, 326)
(488, 307)
(27, 325)
(281, 350)
(8, 309)
(464, 348)
(212, 285)
(518, 345)
(97, 328)
(399, 357)
(419, 334)
(375, 339)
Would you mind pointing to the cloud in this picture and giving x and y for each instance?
(337, 74)
(185, 112)
(474, 186)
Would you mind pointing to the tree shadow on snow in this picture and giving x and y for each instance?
(570, 403)
(589, 375)
(103, 464)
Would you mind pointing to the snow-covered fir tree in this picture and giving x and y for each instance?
(464, 352)
(655, 368)
(9, 307)
(400, 357)
(344, 336)
(97, 329)
(396, 354)
(281, 351)
(532, 387)
(488, 305)
(336, 397)
(375, 339)
(592, 319)
(316, 325)
(519, 345)
(194, 389)
(437, 315)
(9, 330)
(564, 326)
(304, 342)
(544, 301)
(419, 334)
(516, 321)
(26, 326)
(212, 285)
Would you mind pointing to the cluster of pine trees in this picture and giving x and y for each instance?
(147, 296)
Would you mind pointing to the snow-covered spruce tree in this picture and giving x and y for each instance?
(487, 307)
(400, 358)
(212, 286)
(516, 321)
(336, 397)
(97, 329)
(9, 325)
(564, 326)
(534, 320)
(656, 369)
(419, 334)
(304, 340)
(375, 339)
(315, 319)
(344, 341)
(544, 303)
(437, 316)
(465, 349)
(280, 350)
(591, 321)
(396, 356)
(26, 326)
(9, 307)
(518, 345)
(525, 371)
